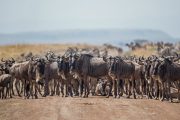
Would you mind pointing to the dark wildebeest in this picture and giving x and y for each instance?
(57, 69)
(86, 66)
(122, 70)
(168, 72)
(5, 66)
(6, 82)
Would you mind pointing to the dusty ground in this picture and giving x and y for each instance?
(92, 108)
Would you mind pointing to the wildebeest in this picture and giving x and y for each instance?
(30, 73)
(6, 82)
(168, 72)
(124, 70)
(86, 66)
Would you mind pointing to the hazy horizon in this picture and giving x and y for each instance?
(45, 15)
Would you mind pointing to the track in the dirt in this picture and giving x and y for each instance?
(92, 108)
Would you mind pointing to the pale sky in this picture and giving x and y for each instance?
(44, 15)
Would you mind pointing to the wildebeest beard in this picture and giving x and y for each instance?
(64, 66)
(156, 67)
(162, 70)
(75, 65)
(114, 67)
(148, 70)
(41, 68)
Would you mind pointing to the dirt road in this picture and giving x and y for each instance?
(92, 108)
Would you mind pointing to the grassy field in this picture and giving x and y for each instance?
(150, 50)
(15, 50)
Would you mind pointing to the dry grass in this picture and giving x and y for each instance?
(16, 50)
(143, 52)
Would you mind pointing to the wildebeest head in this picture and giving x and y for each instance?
(7, 64)
(147, 67)
(63, 64)
(39, 67)
(113, 65)
(74, 62)
(50, 56)
(162, 68)
(156, 67)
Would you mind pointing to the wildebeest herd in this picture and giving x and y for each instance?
(79, 74)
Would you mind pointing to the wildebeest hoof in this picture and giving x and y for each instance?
(114, 96)
(66, 95)
(155, 98)
(127, 96)
(44, 95)
(36, 97)
(19, 95)
(161, 99)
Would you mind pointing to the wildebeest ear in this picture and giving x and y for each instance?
(163, 56)
(105, 58)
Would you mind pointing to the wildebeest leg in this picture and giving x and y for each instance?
(85, 86)
(46, 87)
(57, 88)
(31, 88)
(169, 97)
(129, 88)
(126, 87)
(38, 88)
(21, 86)
(81, 87)
(118, 88)
(66, 86)
(141, 88)
(2, 93)
(115, 88)
(52, 87)
(6, 92)
(178, 97)
(121, 87)
(16, 83)
(9, 90)
(11, 87)
(162, 97)
(156, 90)
(26, 89)
(149, 90)
(35, 93)
(62, 88)
(75, 87)
(134, 88)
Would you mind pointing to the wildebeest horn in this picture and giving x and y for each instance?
(12, 59)
(2, 60)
